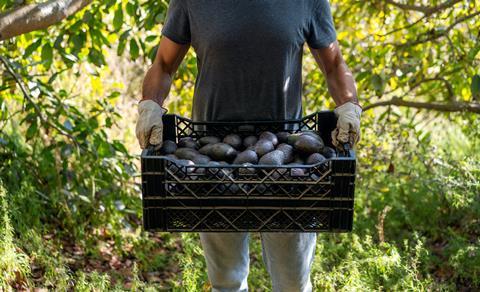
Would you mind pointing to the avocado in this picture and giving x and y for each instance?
(262, 147)
(187, 142)
(329, 152)
(311, 134)
(171, 156)
(186, 153)
(247, 156)
(287, 150)
(201, 159)
(292, 138)
(269, 136)
(249, 141)
(307, 144)
(282, 137)
(222, 151)
(205, 150)
(233, 140)
(208, 140)
(298, 159)
(275, 157)
(315, 158)
(168, 147)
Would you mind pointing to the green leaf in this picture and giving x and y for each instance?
(104, 149)
(88, 17)
(153, 53)
(474, 51)
(122, 42)
(134, 49)
(96, 57)
(31, 131)
(378, 84)
(114, 94)
(151, 38)
(78, 41)
(58, 42)
(475, 86)
(47, 55)
(362, 75)
(118, 18)
(130, 9)
(108, 122)
(121, 48)
(32, 48)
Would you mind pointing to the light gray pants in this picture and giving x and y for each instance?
(288, 258)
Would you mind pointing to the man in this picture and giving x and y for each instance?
(249, 56)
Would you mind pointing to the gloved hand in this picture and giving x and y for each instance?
(149, 129)
(348, 125)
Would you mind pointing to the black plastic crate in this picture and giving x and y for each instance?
(254, 198)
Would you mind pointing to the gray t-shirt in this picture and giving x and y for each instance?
(249, 53)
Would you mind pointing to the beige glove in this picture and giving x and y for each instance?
(149, 130)
(348, 125)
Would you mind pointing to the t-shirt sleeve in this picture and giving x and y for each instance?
(321, 29)
(177, 24)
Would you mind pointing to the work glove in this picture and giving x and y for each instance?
(348, 125)
(149, 129)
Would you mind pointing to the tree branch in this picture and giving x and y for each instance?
(432, 36)
(427, 10)
(32, 17)
(441, 107)
(36, 108)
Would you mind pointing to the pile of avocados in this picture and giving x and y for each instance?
(267, 148)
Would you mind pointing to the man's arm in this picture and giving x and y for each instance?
(156, 85)
(341, 83)
(342, 88)
(158, 79)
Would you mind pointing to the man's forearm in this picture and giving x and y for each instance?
(156, 84)
(341, 83)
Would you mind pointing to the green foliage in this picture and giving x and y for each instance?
(193, 279)
(349, 263)
(14, 263)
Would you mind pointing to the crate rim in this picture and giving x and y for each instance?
(350, 156)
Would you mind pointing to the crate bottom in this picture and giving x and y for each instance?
(252, 219)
